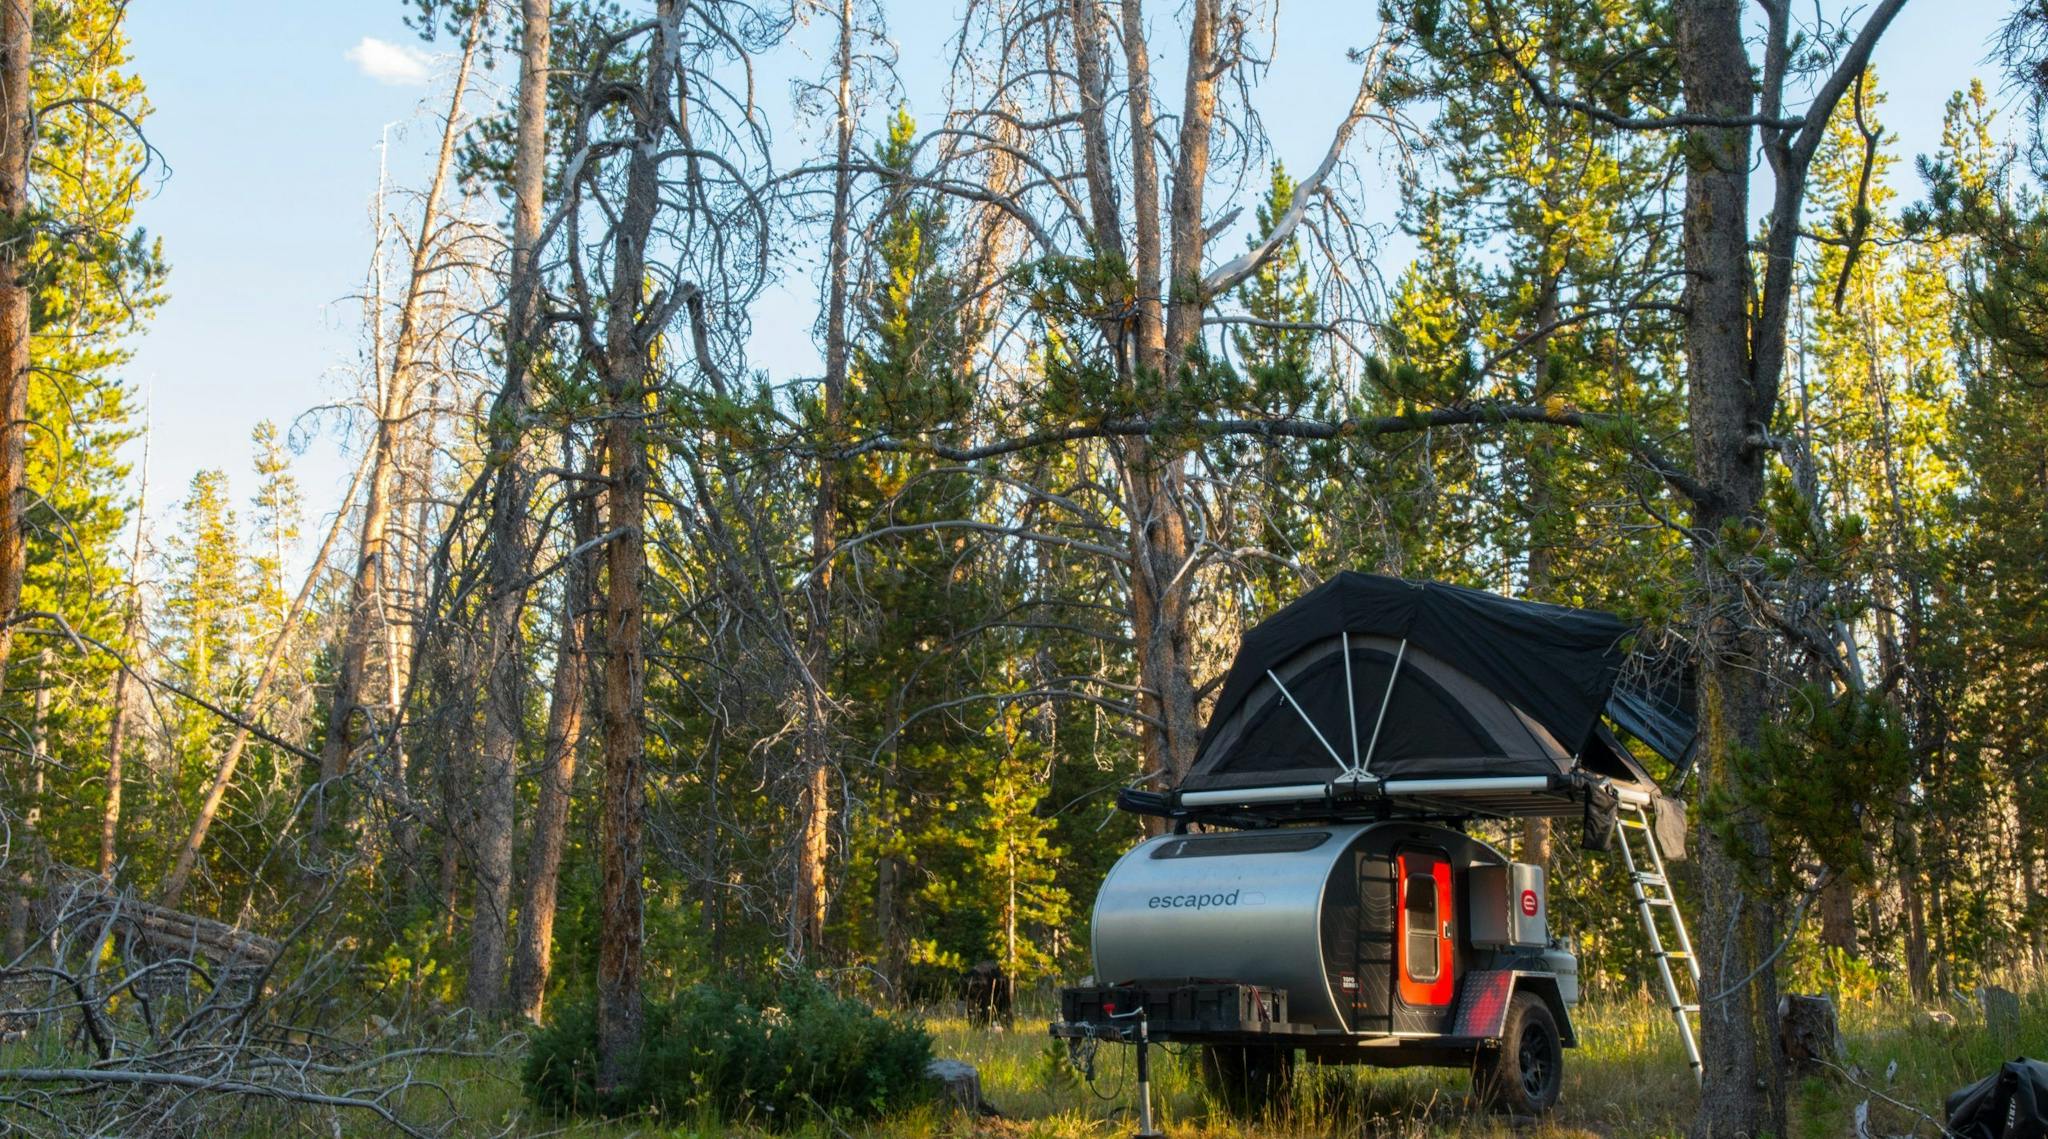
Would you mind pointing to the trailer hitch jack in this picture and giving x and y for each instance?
(1145, 1128)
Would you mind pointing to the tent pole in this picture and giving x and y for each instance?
(1304, 719)
(1385, 698)
(1350, 705)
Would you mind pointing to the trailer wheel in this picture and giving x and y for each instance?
(1248, 1079)
(1522, 1074)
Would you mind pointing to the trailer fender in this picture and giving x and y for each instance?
(1545, 985)
(1483, 1003)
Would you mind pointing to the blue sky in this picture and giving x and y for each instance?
(272, 153)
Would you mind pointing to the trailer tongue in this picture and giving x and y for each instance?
(1332, 906)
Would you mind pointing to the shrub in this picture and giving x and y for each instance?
(776, 1056)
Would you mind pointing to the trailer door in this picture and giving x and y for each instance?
(1425, 976)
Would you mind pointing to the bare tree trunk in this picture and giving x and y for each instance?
(1912, 909)
(624, 372)
(533, 952)
(807, 932)
(31, 802)
(1938, 897)
(532, 955)
(623, 808)
(2037, 937)
(117, 727)
(510, 542)
(17, 139)
(1154, 481)
(1716, 77)
(1838, 916)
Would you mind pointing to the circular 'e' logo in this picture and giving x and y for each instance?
(1528, 903)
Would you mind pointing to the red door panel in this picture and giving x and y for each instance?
(1423, 964)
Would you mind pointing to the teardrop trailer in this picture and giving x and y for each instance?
(1317, 895)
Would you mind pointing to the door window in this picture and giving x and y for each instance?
(1420, 914)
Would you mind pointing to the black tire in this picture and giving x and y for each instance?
(1248, 1079)
(1522, 1074)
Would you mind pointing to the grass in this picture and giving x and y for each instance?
(1626, 1079)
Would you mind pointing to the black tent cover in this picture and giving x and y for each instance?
(1553, 664)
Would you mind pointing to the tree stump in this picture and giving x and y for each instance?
(961, 1084)
(2001, 1012)
(1809, 1033)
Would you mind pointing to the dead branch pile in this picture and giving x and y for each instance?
(123, 1017)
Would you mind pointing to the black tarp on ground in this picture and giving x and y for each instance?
(2011, 1104)
(1487, 686)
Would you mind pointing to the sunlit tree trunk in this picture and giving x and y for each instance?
(815, 805)
(533, 953)
(17, 139)
(1167, 326)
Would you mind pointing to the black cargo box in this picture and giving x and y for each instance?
(1196, 1007)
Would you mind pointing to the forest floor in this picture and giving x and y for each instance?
(1626, 1079)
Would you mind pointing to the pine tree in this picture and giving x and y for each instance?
(95, 279)
(278, 512)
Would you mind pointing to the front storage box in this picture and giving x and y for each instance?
(1509, 907)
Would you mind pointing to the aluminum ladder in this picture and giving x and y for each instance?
(1651, 886)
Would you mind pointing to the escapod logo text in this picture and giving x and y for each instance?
(1190, 901)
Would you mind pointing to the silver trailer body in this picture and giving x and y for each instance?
(1228, 907)
(1312, 910)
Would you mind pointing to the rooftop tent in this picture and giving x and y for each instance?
(1416, 681)
(1298, 726)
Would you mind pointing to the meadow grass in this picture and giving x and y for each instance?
(1626, 1079)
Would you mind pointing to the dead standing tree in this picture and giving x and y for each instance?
(660, 234)
(398, 370)
(1070, 120)
(399, 365)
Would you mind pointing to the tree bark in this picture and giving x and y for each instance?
(623, 370)
(1715, 74)
(2037, 937)
(1838, 916)
(1912, 908)
(17, 139)
(1165, 329)
(807, 929)
(532, 956)
(510, 545)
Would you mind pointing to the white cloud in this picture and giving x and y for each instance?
(395, 64)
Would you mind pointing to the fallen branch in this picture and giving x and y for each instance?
(90, 1076)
